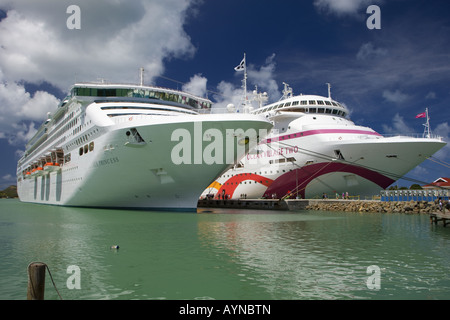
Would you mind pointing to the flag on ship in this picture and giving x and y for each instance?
(241, 66)
(421, 115)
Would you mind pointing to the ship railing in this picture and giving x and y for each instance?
(220, 111)
(413, 135)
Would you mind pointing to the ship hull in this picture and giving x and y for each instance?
(122, 171)
(312, 168)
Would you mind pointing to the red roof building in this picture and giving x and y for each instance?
(438, 183)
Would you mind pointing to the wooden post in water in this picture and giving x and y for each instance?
(36, 281)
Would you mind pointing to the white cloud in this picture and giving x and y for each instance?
(395, 96)
(17, 105)
(343, 7)
(9, 177)
(6, 181)
(196, 85)
(399, 126)
(262, 77)
(368, 52)
(431, 95)
(226, 94)
(116, 39)
(442, 130)
(22, 132)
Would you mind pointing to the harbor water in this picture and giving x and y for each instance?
(223, 254)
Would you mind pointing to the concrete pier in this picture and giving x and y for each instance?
(324, 204)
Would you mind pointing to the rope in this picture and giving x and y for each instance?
(439, 162)
(387, 173)
(51, 277)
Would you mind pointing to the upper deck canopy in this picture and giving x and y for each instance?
(141, 92)
(306, 104)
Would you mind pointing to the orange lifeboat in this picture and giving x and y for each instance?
(51, 166)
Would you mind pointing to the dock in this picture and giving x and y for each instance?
(437, 217)
(267, 204)
(260, 204)
(411, 207)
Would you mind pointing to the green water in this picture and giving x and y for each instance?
(222, 254)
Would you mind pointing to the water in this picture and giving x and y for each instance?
(223, 254)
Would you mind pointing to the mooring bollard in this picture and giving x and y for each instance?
(36, 281)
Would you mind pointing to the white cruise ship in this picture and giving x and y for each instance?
(315, 150)
(132, 146)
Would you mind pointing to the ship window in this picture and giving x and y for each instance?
(86, 148)
(327, 110)
(312, 110)
(312, 101)
(328, 103)
(320, 102)
(287, 104)
(334, 103)
(91, 146)
(106, 92)
(320, 110)
(335, 111)
(295, 103)
(81, 151)
(303, 102)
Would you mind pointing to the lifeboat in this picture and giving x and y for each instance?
(51, 166)
(52, 161)
(37, 171)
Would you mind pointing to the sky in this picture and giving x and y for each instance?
(385, 75)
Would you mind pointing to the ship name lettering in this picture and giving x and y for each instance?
(106, 162)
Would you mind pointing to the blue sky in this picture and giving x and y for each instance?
(384, 76)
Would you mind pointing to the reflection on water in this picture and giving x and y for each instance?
(326, 255)
(223, 254)
(291, 256)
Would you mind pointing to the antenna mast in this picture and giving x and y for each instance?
(287, 92)
(261, 98)
(141, 74)
(240, 67)
(244, 82)
(427, 130)
(329, 90)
